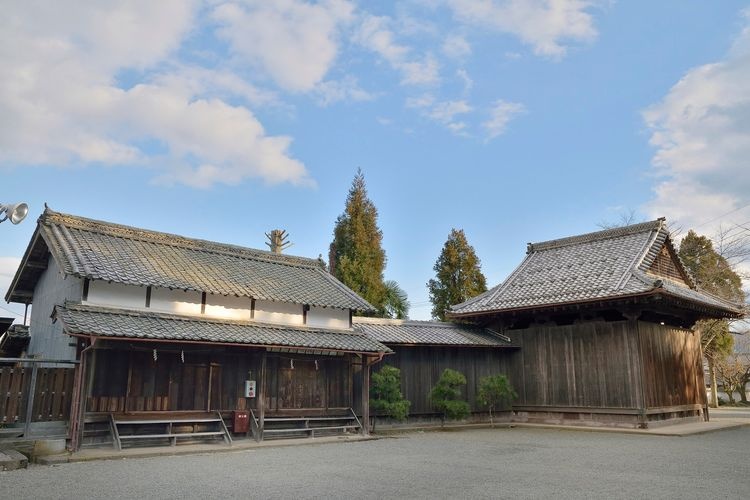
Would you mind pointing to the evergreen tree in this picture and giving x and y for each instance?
(495, 391)
(458, 275)
(446, 396)
(385, 394)
(396, 302)
(713, 274)
(356, 255)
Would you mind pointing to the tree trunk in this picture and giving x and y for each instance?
(492, 424)
(743, 392)
(714, 403)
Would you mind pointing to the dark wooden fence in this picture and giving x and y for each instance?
(52, 394)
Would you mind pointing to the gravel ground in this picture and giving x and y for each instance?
(499, 463)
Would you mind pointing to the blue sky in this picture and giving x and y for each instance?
(516, 121)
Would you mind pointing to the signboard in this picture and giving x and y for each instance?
(249, 388)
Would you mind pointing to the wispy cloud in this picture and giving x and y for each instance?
(376, 35)
(501, 113)
(545, 25)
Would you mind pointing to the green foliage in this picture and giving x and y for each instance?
(711, 271)
(713, 274)
(396, 301)
(446, 395)
(385, 394)
(495, 391)
(356, 254)
(458, 275)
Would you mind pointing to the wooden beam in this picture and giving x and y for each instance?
(262, 396)
(365, 396)
(36, 265)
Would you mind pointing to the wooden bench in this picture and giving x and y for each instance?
(169, 426)
(311, 424)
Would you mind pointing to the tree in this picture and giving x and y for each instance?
(495, 391)
(458, 275)
(356, 256)
(446, 396)
(734, 372)
(713, 274)
(396, 303)
(385, 394)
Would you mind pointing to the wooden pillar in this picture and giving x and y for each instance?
(632, 315)
(365, 395)
(262, 396)
(81, 391)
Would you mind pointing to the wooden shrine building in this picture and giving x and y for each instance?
(174, 333)
(604, 325)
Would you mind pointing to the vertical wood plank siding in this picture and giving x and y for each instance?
(52, 396)
(422, 366)
(673, 368)
(134, 381)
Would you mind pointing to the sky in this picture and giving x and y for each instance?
(517, 121)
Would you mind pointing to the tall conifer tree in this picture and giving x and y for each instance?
(458, 275)
(356, 255)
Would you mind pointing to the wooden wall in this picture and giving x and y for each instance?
(134, 381)
(422, 366)
(593, 365)
(672, 366)
(52, 394)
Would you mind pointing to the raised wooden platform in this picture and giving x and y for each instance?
(155, 426)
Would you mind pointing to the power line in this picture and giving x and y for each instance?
(722, 215)
(12, 312)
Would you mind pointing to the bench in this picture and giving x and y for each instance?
(310, 424)
(169, 426)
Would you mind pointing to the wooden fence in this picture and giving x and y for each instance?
(52, 394)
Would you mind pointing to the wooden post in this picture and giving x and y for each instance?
(262, 397)
(632, 316)
(365, 395)
(30, 400)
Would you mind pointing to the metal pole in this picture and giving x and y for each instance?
(30, 401)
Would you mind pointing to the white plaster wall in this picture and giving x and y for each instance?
(103, 293)
(175, 301)
(219, 306)
(328, 317)
(278, 312)
(47, 338)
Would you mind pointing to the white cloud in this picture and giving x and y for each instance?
(446, 112)
(295, 42)
(701, 135)
(456, 47)
(346, 89)
(61, 103)
(544, 24)
(375, 34)
(468, 83)
(500, 115)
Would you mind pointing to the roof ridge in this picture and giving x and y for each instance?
(162, 238)
(597, 235)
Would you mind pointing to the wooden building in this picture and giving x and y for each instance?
(174, 333)
(604, 324)
(422, 350)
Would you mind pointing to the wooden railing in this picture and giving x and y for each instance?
(34, 394)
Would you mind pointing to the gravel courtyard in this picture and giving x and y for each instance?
(525, 463)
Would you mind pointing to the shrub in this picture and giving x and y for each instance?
(385, 394)
(446, 395)
(495, 391)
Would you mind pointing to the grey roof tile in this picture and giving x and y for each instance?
(104, 251)
(595, 266)
(99, 321)
(389, 331)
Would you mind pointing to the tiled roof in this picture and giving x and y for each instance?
(104, 251)
(596, 266)
(393, 331)
(80, 319)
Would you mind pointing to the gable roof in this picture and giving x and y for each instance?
(407, 332)
(99, 250)
(119, 323)
(604, 265)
